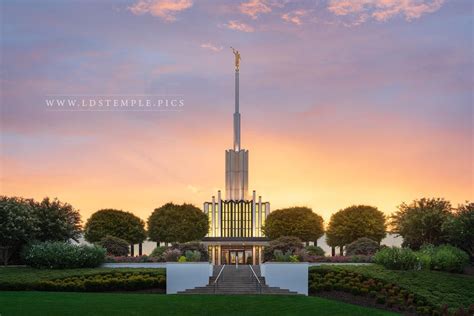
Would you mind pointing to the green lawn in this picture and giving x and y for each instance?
(437, 288)
(25, 276)
(48, 303)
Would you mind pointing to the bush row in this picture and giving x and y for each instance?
(382, 292)
(442, 258)
(113, 281)
(63, 255)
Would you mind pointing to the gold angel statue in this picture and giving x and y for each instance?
(237, 58)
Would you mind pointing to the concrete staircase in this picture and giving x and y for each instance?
(237, 280)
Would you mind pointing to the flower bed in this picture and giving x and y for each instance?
(137, 259)
(341, 259)
(114, 281)
(323, 280)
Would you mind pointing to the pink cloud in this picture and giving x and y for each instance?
(239, 26)
(212, 47)
(165, 9)
(294, 16)
(382, 10)
(253, 8)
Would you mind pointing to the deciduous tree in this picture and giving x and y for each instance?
(56, 221)
(177, 223)
(354, 222)
(117, 223)
(460, 228)
(422, 222)
(17, 225)
(299, 222)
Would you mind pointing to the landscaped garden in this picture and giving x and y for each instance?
(430, 275)
(424, 292)
(82, 280)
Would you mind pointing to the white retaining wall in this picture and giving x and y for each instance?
(183, 276)
(291, 276)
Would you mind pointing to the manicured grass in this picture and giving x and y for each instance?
(437, 288)
(47, 303)
(23, 276)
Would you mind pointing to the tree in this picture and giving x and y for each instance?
(56, 221)
(177, 223)
(17, 225)
(460, 228)
(362, 246)
(421, 222)
(354, 222)
(299, 222)
(115, 246)
(284, 244)
(115, 223)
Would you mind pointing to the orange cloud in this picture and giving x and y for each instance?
(253, 8)
(239, 26)
(294, 16)
(165, 9)
(382, 10)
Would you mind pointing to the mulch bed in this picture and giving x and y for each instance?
(358, 300)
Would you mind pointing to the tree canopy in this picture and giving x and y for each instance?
(115, 223)
(17, 221)
(177, 223)
(56, 221)
(25, 220)
(354, 222)
(459, 228)
(299, 222)
(422, 222)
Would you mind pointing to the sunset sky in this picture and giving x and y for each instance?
(342, 102)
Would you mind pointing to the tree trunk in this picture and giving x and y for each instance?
(140, 249)
(333, 251)
(316, 243)
(5, 254)
(341, 250)
(132, 250)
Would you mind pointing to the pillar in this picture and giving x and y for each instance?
(341, 250)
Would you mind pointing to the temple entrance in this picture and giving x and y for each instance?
(233, 255)
(236, 256)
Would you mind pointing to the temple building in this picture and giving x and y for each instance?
(235, 234)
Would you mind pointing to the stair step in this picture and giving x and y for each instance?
(239, 281)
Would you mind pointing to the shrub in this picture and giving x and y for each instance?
(192, 256)
(284, 244)
(63, 255)
(397, 258)
(115, 246)
(315, 251)
(362, 246)
(171, 255)
(193, 246)
(182, 259)
(158, 252)
(139, 259)
(113, 281)
(449, 258)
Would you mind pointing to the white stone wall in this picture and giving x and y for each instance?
(285, 275)
(183, 276)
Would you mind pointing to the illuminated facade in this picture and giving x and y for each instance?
(235, 233)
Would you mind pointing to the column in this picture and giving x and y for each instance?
(219, 211)
(213, 217)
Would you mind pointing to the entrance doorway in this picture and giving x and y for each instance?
(236, 256)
